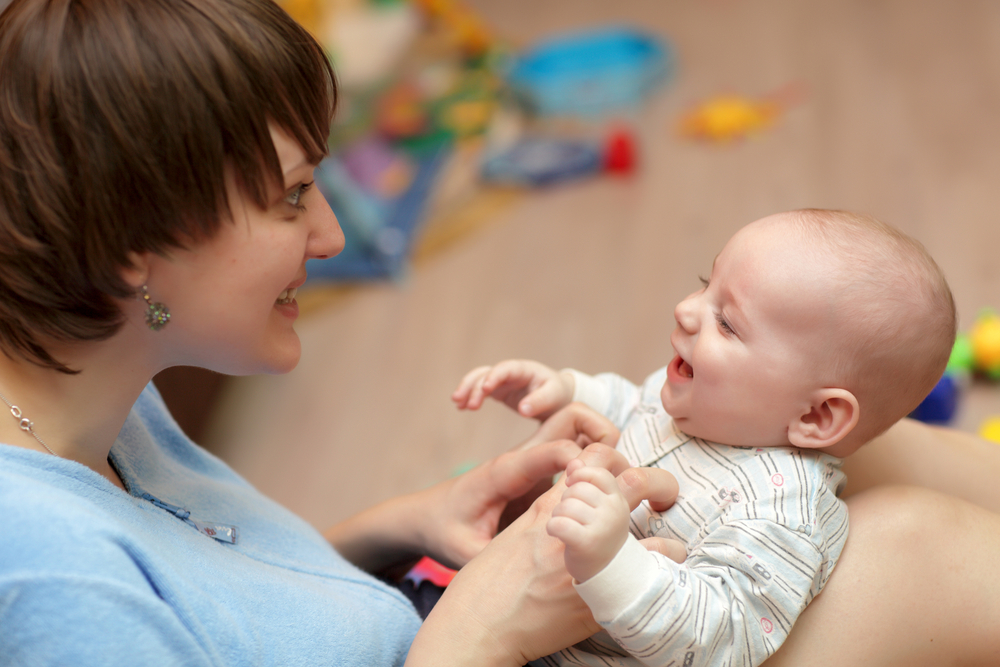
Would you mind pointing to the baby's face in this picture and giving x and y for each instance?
(748, 341)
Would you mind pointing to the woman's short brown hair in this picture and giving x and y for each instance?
(118, 119)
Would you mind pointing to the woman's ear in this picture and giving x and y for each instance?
(137, 272)
(832, 414)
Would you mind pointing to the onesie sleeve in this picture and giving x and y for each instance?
(89, 621)
(611, 395)
(732, 602)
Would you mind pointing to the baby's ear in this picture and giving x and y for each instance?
(832, 414)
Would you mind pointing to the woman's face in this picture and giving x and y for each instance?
(231, 298)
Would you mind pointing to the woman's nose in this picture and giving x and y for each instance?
(327, 238)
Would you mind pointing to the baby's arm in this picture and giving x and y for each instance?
(591, 519)
(528, 387)
(731, 603)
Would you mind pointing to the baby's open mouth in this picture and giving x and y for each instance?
(682, 368)
(287, 296)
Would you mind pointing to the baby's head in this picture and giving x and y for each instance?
(818, 329)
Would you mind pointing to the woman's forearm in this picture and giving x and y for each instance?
(452, 637)
(381, 536)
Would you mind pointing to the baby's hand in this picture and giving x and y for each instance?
(591, 519)
(528, 387)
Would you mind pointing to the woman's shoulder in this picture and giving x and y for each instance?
(57, 515)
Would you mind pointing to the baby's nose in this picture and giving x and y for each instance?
(686, 316)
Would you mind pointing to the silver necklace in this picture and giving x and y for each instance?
(25, 424)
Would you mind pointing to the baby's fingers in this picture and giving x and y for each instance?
(672, 549)
(584, 476)
(566, 529)
(583, 492)
(575, 509)
(469, 394)
(542, 401)
(513, 372)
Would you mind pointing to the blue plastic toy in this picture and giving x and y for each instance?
(542, 162)
(591, 73)
(940, 405)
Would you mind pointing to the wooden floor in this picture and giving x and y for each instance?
(900, 119)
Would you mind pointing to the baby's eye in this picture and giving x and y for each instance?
(704, 281)
(724, 325)
(295, 196)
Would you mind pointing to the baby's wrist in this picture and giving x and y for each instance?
(568, 381)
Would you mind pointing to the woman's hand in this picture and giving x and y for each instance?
(466, 512)
(453, 521)
(515, 601)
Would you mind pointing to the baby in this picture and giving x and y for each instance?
(815, 331)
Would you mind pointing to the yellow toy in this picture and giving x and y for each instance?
(467, 29)
(729, 117)
(985, 341)
(990, 429)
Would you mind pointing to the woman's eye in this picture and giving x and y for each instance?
(295, 196)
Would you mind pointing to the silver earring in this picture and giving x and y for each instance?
(157, 314)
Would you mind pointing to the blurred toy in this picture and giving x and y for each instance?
(401, 112)
(430, 570)
(984, 339)
(940, 405)
(724, 118)
(538, 162)
(376, 167)
(367, 40)
(468, 31)
(962, 361)
(591, 73)
(309, 13)
(620, 153)
(990, 429)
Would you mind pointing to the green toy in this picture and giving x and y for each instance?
(962, 362)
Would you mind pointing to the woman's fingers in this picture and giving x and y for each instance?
(573, 421)
(516, 472)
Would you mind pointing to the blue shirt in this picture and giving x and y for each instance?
(91, 575)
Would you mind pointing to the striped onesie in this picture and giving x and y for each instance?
(763, 529)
